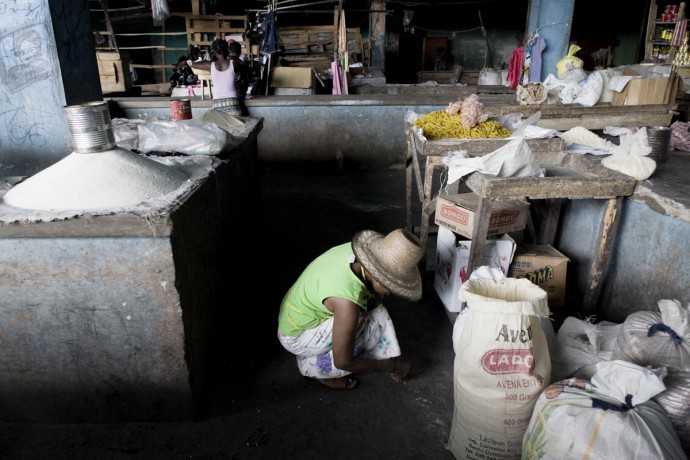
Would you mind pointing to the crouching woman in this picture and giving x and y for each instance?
(332, 318)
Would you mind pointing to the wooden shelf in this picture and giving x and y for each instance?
(652, 25)
(202, 30)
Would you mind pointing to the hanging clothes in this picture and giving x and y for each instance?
(515, 68)
(340, 66)
(526, 63)
(535, 66)
(335, 69)
(270, 42)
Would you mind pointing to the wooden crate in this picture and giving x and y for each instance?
(203, 29)
(317, 39)
(113, 70)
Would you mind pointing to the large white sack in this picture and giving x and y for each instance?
(612, 416)
(501, 367)
(662, 339)
(581, 343)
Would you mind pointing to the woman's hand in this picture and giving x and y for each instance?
(401, 369)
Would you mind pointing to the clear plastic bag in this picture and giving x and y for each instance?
(160, 11)
(189, 137)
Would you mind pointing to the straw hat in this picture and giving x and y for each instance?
(392, 260)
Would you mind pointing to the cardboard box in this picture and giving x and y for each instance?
(458, 212)
(358, 76)
(292, 91)
(113, 70)
(292, 77)
(544, 266)
(452, 257)
(644, 91)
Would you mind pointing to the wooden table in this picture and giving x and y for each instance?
(568, 176)
(564, 117)
(425, 157)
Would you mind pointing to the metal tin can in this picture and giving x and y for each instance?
(181, 109)
(90, 127)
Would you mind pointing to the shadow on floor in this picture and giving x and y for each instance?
(258, 405)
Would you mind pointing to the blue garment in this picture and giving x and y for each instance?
(270, 42)
(535, 66)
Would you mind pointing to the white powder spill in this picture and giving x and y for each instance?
(583, 136)
(116, 178)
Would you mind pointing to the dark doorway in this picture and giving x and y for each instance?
(410, 58)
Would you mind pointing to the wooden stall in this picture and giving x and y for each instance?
(568, 176)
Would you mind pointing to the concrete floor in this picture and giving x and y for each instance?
(260, 407)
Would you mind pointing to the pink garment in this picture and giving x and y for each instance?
(223, 82)
(515, 69)
(335, 68)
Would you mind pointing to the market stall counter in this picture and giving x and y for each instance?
(115, 315)
(568, 176)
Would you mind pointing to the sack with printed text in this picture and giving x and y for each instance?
(501, 366)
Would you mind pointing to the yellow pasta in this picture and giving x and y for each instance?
(440, 125)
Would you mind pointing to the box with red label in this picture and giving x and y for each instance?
(458, 213)
(453, 256)
(543, 265)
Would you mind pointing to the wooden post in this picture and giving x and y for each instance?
(377, 34)
(601, 255)
(109, 26)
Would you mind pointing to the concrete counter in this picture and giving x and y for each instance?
(368, 130)
(117, 315)
(650, 255)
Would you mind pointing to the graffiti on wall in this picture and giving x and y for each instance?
(30, 89)
(25, 57)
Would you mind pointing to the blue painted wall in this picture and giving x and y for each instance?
(33, 129)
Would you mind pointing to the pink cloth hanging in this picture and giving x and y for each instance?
(335, 69)
(515, 69)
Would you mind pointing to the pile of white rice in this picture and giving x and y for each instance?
(116, 178)
(583, 136)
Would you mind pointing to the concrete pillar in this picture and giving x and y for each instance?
(554, 20)
(377, 34)
(47, 61)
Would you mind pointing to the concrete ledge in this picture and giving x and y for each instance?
(666, 190)
(111, 322)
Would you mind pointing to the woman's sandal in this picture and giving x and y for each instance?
(340, 383)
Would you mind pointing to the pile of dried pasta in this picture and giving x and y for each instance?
(441, 125)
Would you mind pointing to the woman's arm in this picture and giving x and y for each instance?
(345, 320)
(202, 65)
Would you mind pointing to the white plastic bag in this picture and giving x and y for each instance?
(573, 76)
(489, 77)
(606, 92)
(581, 343)
(126, 132)
(590, 90)
(189, 137)
(630, 157)
(662, 338)
(514, 159)
(611, 416)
